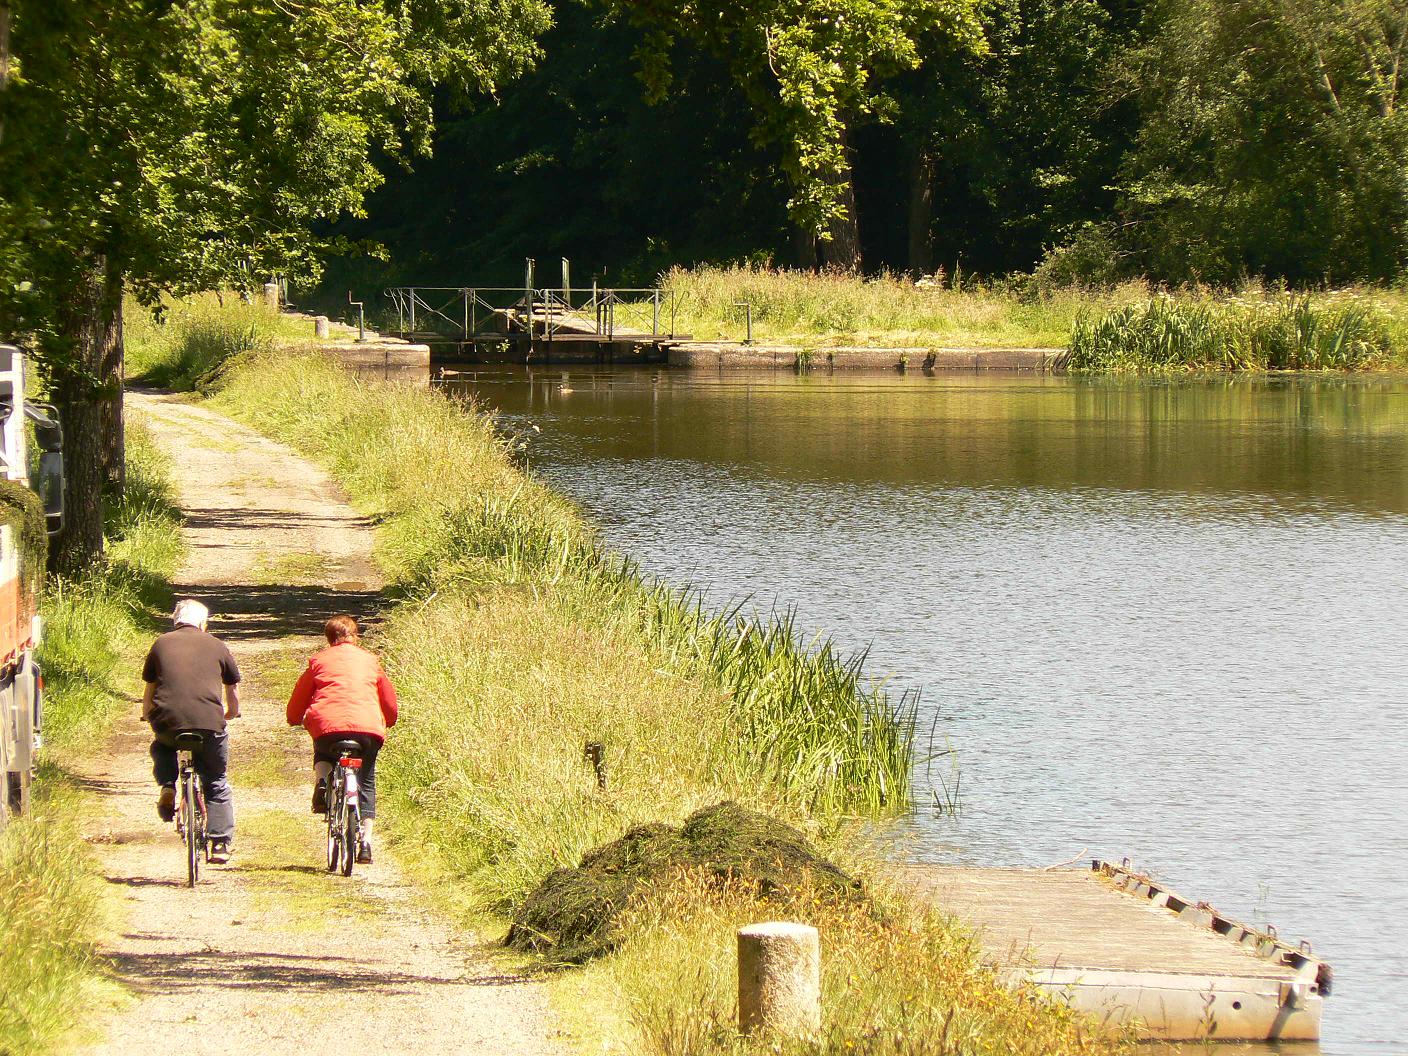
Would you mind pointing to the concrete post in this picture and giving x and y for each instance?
(320, 326)
(271, 294)
(779, 979)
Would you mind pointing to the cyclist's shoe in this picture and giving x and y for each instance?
(320, 798)
(364, 852)
(166, 803)
(219, 851)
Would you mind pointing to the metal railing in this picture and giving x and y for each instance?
(458, 312)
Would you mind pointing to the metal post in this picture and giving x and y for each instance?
(464, 304)
(528, 294)
(473, 312)
(655, 316)
(596, 307)
(413, 309)
(567, 282)
(400, 309)
(748, 316)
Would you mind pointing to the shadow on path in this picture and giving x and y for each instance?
(255, 613)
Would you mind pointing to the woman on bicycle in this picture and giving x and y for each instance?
(344, 695)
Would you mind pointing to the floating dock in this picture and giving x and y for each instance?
(1118, 944)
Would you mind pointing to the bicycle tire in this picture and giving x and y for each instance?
(351, 834)
(334, 818)
(189, 822)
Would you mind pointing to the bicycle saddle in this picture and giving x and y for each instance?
(351, 748)
(190, 741)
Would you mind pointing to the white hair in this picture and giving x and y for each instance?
(190, 612)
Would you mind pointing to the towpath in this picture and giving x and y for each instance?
(269, 954)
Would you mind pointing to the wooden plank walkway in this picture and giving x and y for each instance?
(1116, 944)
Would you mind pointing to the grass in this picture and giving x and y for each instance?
(1342, 331)
(517, 639)
(184, 341)
(93, 631)
(833, 309)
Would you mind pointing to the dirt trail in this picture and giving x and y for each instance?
(269, 954)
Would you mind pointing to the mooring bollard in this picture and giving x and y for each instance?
(271, 294)
(320, 326)
(779, 979)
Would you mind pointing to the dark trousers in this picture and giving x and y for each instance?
(210, 763)
(366, 781)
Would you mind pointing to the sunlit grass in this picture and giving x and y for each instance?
(827, 309)
(1252, 331)
(182, 344)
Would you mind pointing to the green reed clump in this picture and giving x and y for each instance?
(48, 920)
(1242, 333)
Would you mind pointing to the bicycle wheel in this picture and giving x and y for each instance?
(190, 822)
(351, 831)
(334, 818)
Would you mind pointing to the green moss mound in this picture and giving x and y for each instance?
(572, 915)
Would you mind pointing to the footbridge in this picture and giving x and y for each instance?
(529, 323)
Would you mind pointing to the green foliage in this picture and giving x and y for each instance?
(1247, 333)
(48, 923)
(1272, 141)
(814, 68)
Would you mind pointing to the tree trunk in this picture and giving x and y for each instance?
(112, 369)
(85, 390)
(921, 213)
(804, 247)
(842, 248)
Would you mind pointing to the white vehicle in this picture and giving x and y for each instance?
(21, 559)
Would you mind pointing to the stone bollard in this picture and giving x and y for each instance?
(271, 294)
(779, 979)
(320, 326)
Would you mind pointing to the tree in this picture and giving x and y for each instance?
(1272, 141)
(177, 145)
(813, 68)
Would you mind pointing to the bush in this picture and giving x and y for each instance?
(1091, 259)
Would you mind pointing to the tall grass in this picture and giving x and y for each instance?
(181, 344)
(93, 625)
(1285, 332)
(897, 980)
(831, 308)
(93, 630)
(48, 908)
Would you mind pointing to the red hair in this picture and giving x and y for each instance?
(340, 629)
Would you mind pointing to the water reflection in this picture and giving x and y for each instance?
(1162, 619)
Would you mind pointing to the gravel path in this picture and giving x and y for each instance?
(269, 954)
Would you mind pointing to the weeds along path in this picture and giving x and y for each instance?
(269, 954)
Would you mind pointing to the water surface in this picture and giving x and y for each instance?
(1161, 619)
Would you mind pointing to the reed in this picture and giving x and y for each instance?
(1243, 333)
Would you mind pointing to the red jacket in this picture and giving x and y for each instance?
(344, 690)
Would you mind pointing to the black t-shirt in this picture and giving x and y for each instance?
(190, 669)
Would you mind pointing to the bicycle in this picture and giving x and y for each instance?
(344, 808)
(190, 807)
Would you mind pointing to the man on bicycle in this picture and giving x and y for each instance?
(187, 672)
(344, 695)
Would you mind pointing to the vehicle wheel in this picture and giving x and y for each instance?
(191, 823)
(349, 839)
(334, 831)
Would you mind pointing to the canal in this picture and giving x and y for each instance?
(1165, 619)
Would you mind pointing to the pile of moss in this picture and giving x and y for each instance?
(572, 915)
